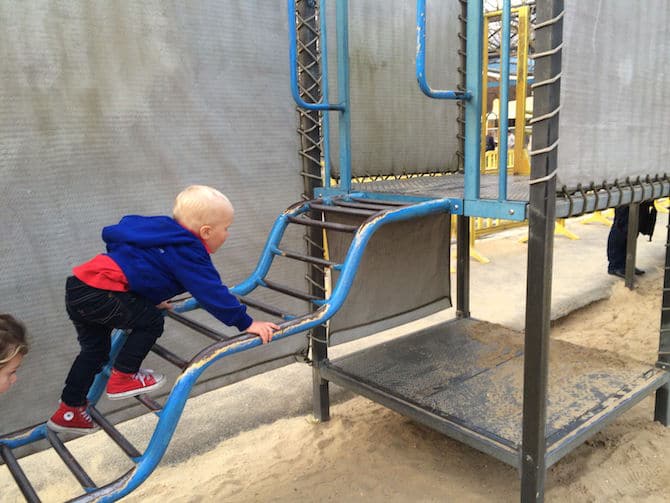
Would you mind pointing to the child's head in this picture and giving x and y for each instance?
(206, 212)
(13, 346)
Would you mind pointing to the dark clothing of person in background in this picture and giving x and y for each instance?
(490, 142)
(616, 241)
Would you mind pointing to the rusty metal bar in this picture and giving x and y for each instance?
(198, 327)
(169, 356)
(382, 202)
(341, 209)
(326, 225)
(262, 306)
(149, 402)
(18, 474)
(306, 258)
(369, 206)
(290, 291)
(73, 465)
(114, 434)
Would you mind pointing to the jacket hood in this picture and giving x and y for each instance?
(147, 232)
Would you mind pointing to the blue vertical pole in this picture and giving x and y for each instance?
(343, 93)
(473, 107)
(325, 115)
(504, 101)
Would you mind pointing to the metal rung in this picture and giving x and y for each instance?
(169, 356)
(73, 465)
(198, 327)
(290, 291)
(262, 306)
(149, 403)
(307, 258)
(114, 434)
(342, 209)
(379, 201)
(369, 206)
(326, 225)
(18, 474)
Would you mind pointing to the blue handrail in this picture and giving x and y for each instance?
(293, 61)
(421, 60)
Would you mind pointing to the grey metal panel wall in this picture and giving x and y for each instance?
(111, 108)
(615, 95)
(396, 128)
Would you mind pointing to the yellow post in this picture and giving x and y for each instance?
(521, 164)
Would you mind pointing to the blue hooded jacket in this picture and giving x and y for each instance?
(161, 259)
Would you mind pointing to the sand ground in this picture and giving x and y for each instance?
(368, 453)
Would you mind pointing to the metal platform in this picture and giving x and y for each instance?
(464, 378)
(435, 187)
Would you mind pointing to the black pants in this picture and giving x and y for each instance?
(616, 241)
(95, 313)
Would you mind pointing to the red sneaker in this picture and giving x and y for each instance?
(72, 420)
(122, 385)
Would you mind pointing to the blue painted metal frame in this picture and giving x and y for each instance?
(504, 101)
(344, 123)
(421, 60)
(293, 61)
(473, 204)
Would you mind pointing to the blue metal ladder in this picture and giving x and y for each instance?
(376, 213)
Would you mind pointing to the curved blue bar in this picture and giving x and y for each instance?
(293, 61)
(265, 260)
(26, 437)
(421, 60)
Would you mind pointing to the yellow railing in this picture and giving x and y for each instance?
(490, 165)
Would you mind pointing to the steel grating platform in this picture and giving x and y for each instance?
(464, 378)
(435, 187)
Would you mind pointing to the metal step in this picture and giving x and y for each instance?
(198, 327)
(306, 258)
(290, 291)
(369, 206)
(114, 434)
(169, 356)
(149, 403)
(266, 308)
(325, 225)
(342, 209)
(379, 201)
(19, 476)
(73, 465)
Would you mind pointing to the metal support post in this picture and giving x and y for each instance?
(463, 267)
(310, 132)
(662, 408)
(631, 243)
(541, 220)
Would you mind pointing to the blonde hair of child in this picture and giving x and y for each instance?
(12, 339)
(197, 205)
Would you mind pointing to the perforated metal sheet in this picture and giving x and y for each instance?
(615, 98)
(404, 275)
(396, 128)
(112, 108)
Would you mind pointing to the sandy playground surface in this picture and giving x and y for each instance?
(368, 453)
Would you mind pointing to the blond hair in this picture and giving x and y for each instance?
(196, 206)
(12, 339)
